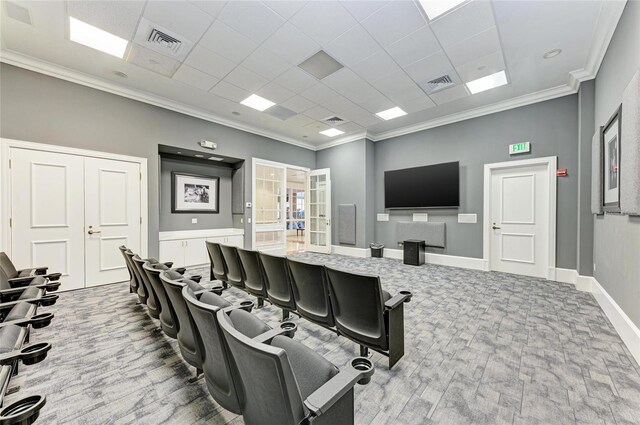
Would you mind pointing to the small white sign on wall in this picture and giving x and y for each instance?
(383, 217)
(420, 217)
(467, 218)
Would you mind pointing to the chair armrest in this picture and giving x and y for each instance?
(360, 370)
(287, 329)
(37, 321)
(216, 290)
(51, 276)
(32, 354)
(12, 291)
(20, 281)
(45, 300)
(396, 300)
(244, 305)
(35, 271)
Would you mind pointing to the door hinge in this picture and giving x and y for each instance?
(140, 220)
(9, 164)
(140, 176)
(10, 222)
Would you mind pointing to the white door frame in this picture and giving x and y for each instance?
(5, 185)
(551, 163)
(254, 162)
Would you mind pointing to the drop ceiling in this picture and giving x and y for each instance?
(389, 52)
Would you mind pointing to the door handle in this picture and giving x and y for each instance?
(494, 227)
(91, 231)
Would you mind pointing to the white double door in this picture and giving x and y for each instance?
(72, 212)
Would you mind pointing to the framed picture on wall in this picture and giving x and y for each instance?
(193, 193)
(610, 140)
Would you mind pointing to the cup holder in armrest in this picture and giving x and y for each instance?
(246, 306)
(54, 276)
(48, 300)
(23, 412)
(41, 320)
(407, 294)
(217, 290)
(52, 286)
(289, 329)
(180, 270)
(196, 278)
(168, 264)
(34, 353)
(365, 367)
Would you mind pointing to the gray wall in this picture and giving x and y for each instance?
(43, 109)
(181, 221)
(552, 129)
(617, 237)
(584, 222)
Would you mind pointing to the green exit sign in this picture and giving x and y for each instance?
(522, 147)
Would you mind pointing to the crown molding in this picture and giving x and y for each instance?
(32, 64)
(348, 139)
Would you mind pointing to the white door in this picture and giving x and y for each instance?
(112, 217)
(318, 233)
(519, 220)
(269, 208)
(47, 204)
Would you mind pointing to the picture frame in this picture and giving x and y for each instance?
(194, 193)
(611, 162)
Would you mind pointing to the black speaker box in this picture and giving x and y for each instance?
(414, 252)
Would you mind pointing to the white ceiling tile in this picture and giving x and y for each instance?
(265, 63)
(323, 21)
(475, 47)
(363, 9)
(486, 65)
(300, 120)
(429, 67)
(296, 80)
(338, 104)
(152, 61)
(449, 95)
(291, 44)
(350, 127)
(213, 8)
(180, 17)
(195, 78)
(375, 66)
(275, 93)
(415, 46)
(355, 113)
(285, 8)
(351, 86)
(227, 42)
(418, 104)
(398, 86)
(207, 61)
(252, 19)
(230, 92)
(298, 103)
(464, 22)
(108, 16)
(394, 21)
(377, 104)
(368, 121)
(352, 46)
(318, 93)
(248, 80)
(319, 113)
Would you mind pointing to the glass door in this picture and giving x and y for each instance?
(318, 235)
(269, 204)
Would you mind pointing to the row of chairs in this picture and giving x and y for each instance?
(21, 293)
(351, 305)
(249, 368)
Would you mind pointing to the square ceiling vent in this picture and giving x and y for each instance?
(17, 12)
(440, 83)
(280, 112)
(321, 65)
(162, 40)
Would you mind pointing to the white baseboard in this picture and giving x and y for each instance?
(582, 283)
(441, 259)
(627, 330)
(350, 250)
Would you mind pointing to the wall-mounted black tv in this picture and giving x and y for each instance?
(431, 186)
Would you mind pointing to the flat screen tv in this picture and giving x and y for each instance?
(431, 186)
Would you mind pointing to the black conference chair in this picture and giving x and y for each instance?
(277, 282)
(234, 269)
(284, 382)
(35, 277)
(252, 274)
(165, 308)
(173, 283)
(203, 306)
(368, 315)
(218, 267)
(310, 287)
(133, 282)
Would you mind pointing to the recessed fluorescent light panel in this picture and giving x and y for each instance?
(486, 83)
(392, 113)
(435, 8)
(256, 102)
(332, 132)
(96, 38)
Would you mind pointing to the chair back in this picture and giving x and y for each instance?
(234, 269)
(358, 307)
(252, 273)
(133, 283)
(6, 266)
(311, 292)
(145, 290)
(277, 281)
(167, 315)
(218, 266)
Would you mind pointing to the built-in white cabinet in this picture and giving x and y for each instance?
(188, 248)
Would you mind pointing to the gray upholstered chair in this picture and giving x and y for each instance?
(366, 314)
(310, 287)
(133, 282)
(218, 266)
(281, 381)
(234, 269)
(165, 308)
(146, 293)
(27, 277)
(277, 282)
(252, 274)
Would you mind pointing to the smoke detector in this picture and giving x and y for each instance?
(162, 40)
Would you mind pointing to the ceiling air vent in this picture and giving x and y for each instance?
(334, 120)
(162, 40)
(165, 40)
(439, 83)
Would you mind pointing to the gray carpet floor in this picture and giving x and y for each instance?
(481, 348)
